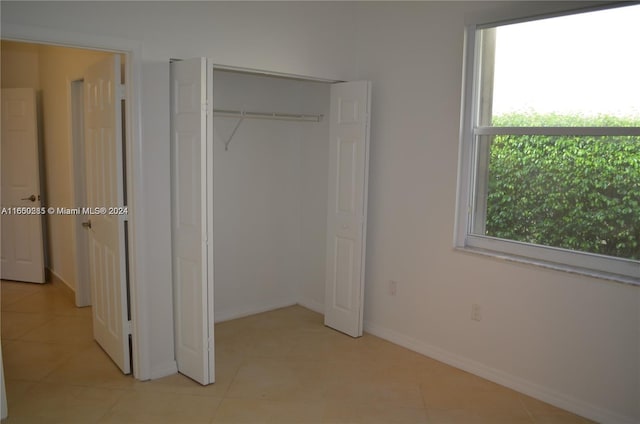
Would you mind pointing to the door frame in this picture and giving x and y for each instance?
(141, 353)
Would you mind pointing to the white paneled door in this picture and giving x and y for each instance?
(105, 189)
(347, 210)
(191, 219)
(22, 249)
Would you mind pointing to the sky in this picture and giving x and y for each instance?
(587, 63)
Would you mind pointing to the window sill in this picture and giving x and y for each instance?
(551, 265)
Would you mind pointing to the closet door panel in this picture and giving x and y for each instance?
(347, 206)
(192, 271)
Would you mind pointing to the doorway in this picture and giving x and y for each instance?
(70, 206)
(290, 171)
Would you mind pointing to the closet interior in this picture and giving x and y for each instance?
(270, 185)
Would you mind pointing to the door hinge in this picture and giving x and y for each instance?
(206, 108)
(121, 91)
(128, 328)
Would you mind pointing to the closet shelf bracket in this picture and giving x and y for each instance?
(226, 144)
(262, 115)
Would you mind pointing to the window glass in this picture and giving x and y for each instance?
(578, 193)
(554, 71)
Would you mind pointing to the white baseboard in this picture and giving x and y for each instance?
(168, 368)
(312, 305)
(534, 390)
(55, 278)
(229, 315)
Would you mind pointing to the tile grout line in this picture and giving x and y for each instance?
(424, 403)
(226, 392)
(115, 402)
(529, 413)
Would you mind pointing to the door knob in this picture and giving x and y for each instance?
(87, 224)
(32, 198)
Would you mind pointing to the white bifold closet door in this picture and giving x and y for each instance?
(192, 218)
(192, 212)
(347, 206)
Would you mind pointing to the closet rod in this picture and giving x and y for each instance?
(267, 115)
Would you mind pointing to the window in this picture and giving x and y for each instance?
(550, 142)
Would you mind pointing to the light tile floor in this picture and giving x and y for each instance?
(282, 366)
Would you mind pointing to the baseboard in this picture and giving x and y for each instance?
(56, 279)
(534, 390)
(312, 305)
(168, 368)
(228, 316)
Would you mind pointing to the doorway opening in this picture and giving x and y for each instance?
(60, 78)
(289, 194)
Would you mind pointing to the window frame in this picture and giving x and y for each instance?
(473, 162)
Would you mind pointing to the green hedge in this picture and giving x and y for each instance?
(580, 193)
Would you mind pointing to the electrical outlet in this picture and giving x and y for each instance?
(393, 288)
(476, 312)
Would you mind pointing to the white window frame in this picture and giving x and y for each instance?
(469, 168)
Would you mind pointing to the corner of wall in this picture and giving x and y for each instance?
(56, 279)
(311, 304)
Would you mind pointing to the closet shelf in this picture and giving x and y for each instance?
(262, 115)
(267, 115)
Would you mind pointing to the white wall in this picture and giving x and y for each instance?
(293, 37)
(314, 202)
(261, 208)
(19, 63)
(566, 338)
